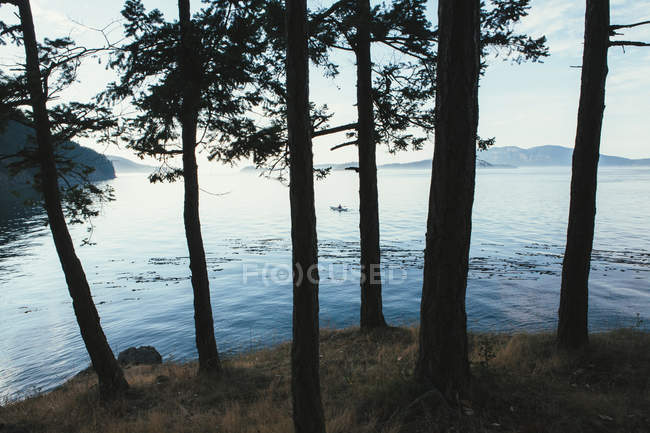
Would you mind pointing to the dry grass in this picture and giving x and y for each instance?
(522, 384)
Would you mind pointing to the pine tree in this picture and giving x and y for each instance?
(442, 355)
(572, 331)
(36, 87)
(305, 382)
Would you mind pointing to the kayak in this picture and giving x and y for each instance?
(339, 209)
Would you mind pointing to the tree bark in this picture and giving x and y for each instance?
(305, 383)
(572, 324)
(371, 306)
(190, 70)
(442, 358)
(111, 377)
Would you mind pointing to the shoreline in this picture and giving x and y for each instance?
(514, 276)
(521, 383)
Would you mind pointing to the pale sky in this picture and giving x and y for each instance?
(523, 105)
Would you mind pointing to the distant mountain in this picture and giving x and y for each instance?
(416, 165)
(512, 156)
(123, 165)
(548, 156)
(509, 157)
(15, 137)
(426, 164)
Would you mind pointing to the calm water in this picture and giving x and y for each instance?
(140, 278)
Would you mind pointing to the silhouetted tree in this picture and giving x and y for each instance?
(111, 378)
(572, 329)
(399, 102)
(352, 26)
(190, 72)
(198, 73)
(305, 382)
(371, 305)
(442, 355)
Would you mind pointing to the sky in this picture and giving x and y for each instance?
(525, 105)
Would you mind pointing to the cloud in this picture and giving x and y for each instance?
(51, 22)
(561, 22)
(631, 75)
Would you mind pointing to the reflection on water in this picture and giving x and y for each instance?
(19, 227)
(139, 270)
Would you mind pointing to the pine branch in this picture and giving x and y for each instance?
(10, 29)
(402, 50)
(318, 18)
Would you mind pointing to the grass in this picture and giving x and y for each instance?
(522, 384)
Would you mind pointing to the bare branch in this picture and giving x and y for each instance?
(348, 143)
(341, 47)
(216, 194)
(103, 31)
(628, 26)
(628, 44)
(334, 130)
(163, 152)
(402, 39)
(402, 50)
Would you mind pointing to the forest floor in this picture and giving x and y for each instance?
(522, 383)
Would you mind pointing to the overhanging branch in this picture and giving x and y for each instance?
(402, 50)
(318, 18)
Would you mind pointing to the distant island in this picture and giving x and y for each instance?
(507, 157)
(15, 189)
(539, 156)
(423, 164)
(426, 164)
(124, 165)
(548, 156)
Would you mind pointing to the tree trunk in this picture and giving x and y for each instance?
(190, 68)
(572, 324)
(442, 358)
(305, 383)
(371, 305)
(111, 377)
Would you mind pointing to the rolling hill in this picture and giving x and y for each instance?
(124, 165)
(548, 156)
(15, 188)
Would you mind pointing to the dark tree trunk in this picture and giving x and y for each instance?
(190, 68)
(111, 378)
(442, 358)
(572, 324)
(371, 306)
(305, 383)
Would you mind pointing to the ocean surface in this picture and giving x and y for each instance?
(139, 275)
